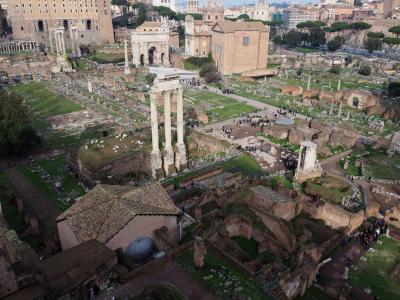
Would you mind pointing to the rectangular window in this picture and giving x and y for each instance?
(246, 41)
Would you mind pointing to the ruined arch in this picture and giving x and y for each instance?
(40, 24)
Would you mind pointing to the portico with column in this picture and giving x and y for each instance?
(169, 161)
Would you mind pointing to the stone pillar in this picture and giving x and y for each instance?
(199, 251)
(338, 85)
(77, 44)
(340, 109)
(56, 42)
(71, 33)
(331, 110)
(127, 71)
(169, 167)
(156, 162)
(180, 156)
(64, 52)
(309, 83)
(145, 51)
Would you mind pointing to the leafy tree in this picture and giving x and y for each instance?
(210, 73)
(394, 89)
(365, 70)
(316, 37)
(277, 39)
(141, 14)
(244, 17)
(122, 4)
(310, 24)
(165, 12)
(376, 35)
(358, 3)
(360, 26)
(181, 17)
(16, 133)
(372, 44)
(335, 44)
(395, 30)
(293, 38)
(274, 23)
(336, 69)
(391, 41)
(337, 27)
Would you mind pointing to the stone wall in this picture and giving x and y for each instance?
(335, 216)
(239, 226)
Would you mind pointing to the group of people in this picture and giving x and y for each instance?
(226, 91)
(192, 82)
(368, 236)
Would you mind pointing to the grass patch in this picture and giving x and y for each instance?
(374, 273)
(209, 207)
(329, 188)
(43, 102)
(217, 107)
(379, 165)
(107, 58)
(57, 170)
(221, 277)
(249, 246)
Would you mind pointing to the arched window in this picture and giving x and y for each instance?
(40, 26)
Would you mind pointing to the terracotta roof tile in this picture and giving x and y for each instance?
(106, 209)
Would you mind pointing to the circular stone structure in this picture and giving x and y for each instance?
(285, 121)
(140, 249)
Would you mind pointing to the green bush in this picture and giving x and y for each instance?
(336, 70)
(365, 70)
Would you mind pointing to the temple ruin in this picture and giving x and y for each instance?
(308, 165)
(168, 87)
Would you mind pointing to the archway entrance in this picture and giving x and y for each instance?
(65, 24)
(162, 58)
(142, 60)
(152, 51)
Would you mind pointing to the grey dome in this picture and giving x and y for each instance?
(140, 249)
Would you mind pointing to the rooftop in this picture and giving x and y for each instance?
(229, 26)
(69, 269)
(106, 209)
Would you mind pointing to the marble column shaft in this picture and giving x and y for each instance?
(179, 112)
(154, 124)
(167, 120)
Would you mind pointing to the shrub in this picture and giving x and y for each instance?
(336, 69)
(365, 70)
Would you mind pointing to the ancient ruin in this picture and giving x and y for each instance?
(308, 165)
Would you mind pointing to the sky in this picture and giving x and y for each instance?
(240, 2)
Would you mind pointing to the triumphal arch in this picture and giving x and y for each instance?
(150, 44)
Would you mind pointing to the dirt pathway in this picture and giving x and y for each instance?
(44, 208)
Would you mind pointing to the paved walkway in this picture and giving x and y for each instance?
(169, 273)
(44, 208)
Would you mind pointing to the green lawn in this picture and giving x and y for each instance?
(379, 165)
(56, 168)
(329, 188)
(374, 273)
(43, 102)
(221, 277)
(107, 58)
(217, 107)
(249, 246)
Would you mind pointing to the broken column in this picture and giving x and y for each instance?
(199, 251)
(127, 71)
(169, 166)
(156, 162)
(309, 83)
(180, 156)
